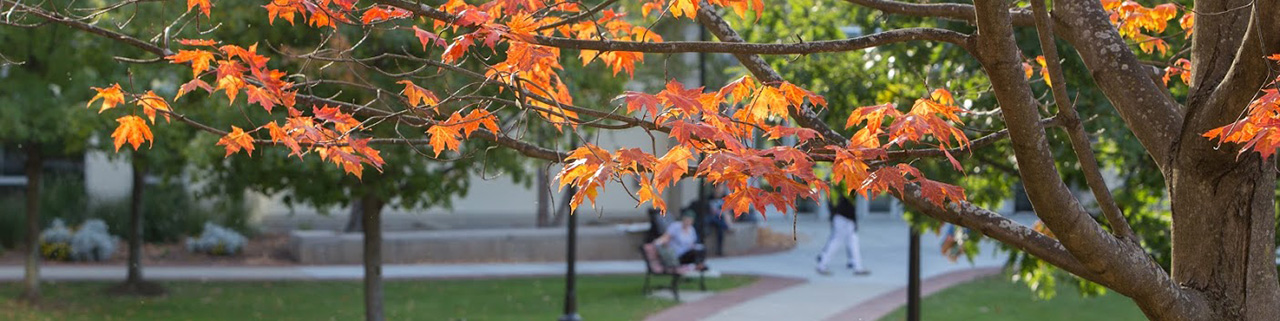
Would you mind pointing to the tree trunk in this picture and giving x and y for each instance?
(1224, 230)
(31, 280)
(134, 284)
(371, 211)
(544, 198)
(354, 218)
(135, 222)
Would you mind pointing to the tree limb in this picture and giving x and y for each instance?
(949, 11)
(1110, 262)
(1075, 129)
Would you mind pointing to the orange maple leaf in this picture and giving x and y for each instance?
(688, 8)
(477, 118)
(443, 137)
(199, 60)
(685, 100)
(132, 130)
(111, 96)
(204, 6)
(417, 95)
(237, 140)
(283, 11)
(150, 103)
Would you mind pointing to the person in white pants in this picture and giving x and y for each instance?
(844, 228)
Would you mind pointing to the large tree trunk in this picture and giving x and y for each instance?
(1224, 223)
(31, 280)
(371, 211)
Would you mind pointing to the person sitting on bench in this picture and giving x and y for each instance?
(682, 242)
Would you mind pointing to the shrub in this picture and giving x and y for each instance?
(91, 242)
(217, 240)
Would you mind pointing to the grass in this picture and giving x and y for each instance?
(997, 299)
(599, 297)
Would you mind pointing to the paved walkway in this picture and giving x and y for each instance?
(797, 292)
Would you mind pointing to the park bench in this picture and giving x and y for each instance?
(654, 268)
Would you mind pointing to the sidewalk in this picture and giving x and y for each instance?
(811, 297)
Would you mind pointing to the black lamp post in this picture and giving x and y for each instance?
(570, 274)
(913, 277)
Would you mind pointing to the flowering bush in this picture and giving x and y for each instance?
(217, 240)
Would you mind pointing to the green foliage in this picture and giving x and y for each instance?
(612, 297)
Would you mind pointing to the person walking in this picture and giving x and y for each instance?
(844, 229)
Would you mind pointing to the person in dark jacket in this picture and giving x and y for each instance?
(844, 228)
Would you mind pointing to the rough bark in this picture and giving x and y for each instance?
(371, 211)
(31, 279)
(1224, 204)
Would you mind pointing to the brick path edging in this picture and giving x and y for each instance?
(882, 305)
(719, 302)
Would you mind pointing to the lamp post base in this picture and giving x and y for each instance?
(570, 317)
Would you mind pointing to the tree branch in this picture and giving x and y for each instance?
(1075, 129)
(808, 47)
(998, 227)
(949, 11)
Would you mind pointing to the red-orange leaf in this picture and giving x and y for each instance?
(150, 103)
(641, 101)
(198, 42)
(111, 96)
(237, 140)
(132, 130)
(458, 48)
(873, 115)
(427, 38)
(192, 85)
(383, 13)
(261, 97)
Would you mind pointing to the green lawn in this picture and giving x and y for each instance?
(997, 299)
(600, 298)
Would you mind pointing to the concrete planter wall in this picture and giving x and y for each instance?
(487, 245)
